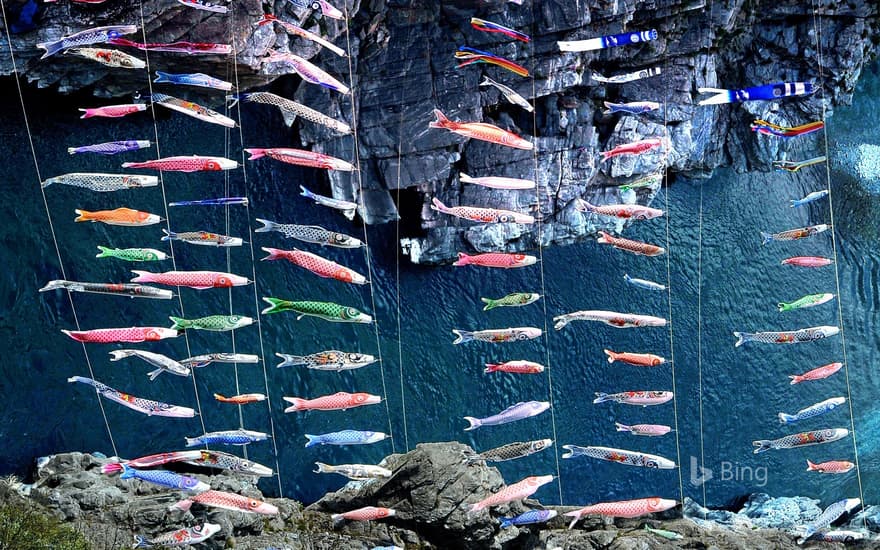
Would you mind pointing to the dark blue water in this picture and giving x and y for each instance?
(740, 390)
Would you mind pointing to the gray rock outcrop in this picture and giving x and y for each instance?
(157, 22)
(431, 488)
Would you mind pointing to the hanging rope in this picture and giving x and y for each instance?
(168, 217)
(51, 224)
(667, 147)
(397, 280)
(397, 271)
(700, 306)
(227, 151)
(397, 254)
(700, 343)
(354, 128)
(817, 24)
(539, 220)
(250, 241)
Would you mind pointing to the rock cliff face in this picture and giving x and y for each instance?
(158, 22)
(431, 489)
(403, 67)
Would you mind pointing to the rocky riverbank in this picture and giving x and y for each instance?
(402, 67)
(431, 489)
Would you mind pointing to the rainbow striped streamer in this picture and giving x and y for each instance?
(770, 129)
(488, 26)
(794, 166)
(472, 55)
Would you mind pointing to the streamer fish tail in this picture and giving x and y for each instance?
(142, 276)
(256, 153)
(463, 259)
(180, 323)
(439, 206)
(291, 360)
(51, 48)
(274, 253)
(473, 423)
(601, 397)
(296, 404)
(54, 285)
(184, 505)
(163, 77)
(440, 120)
(743, 337)
(267, 226)
(275, 305)
(111, 468)
(306, 193)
